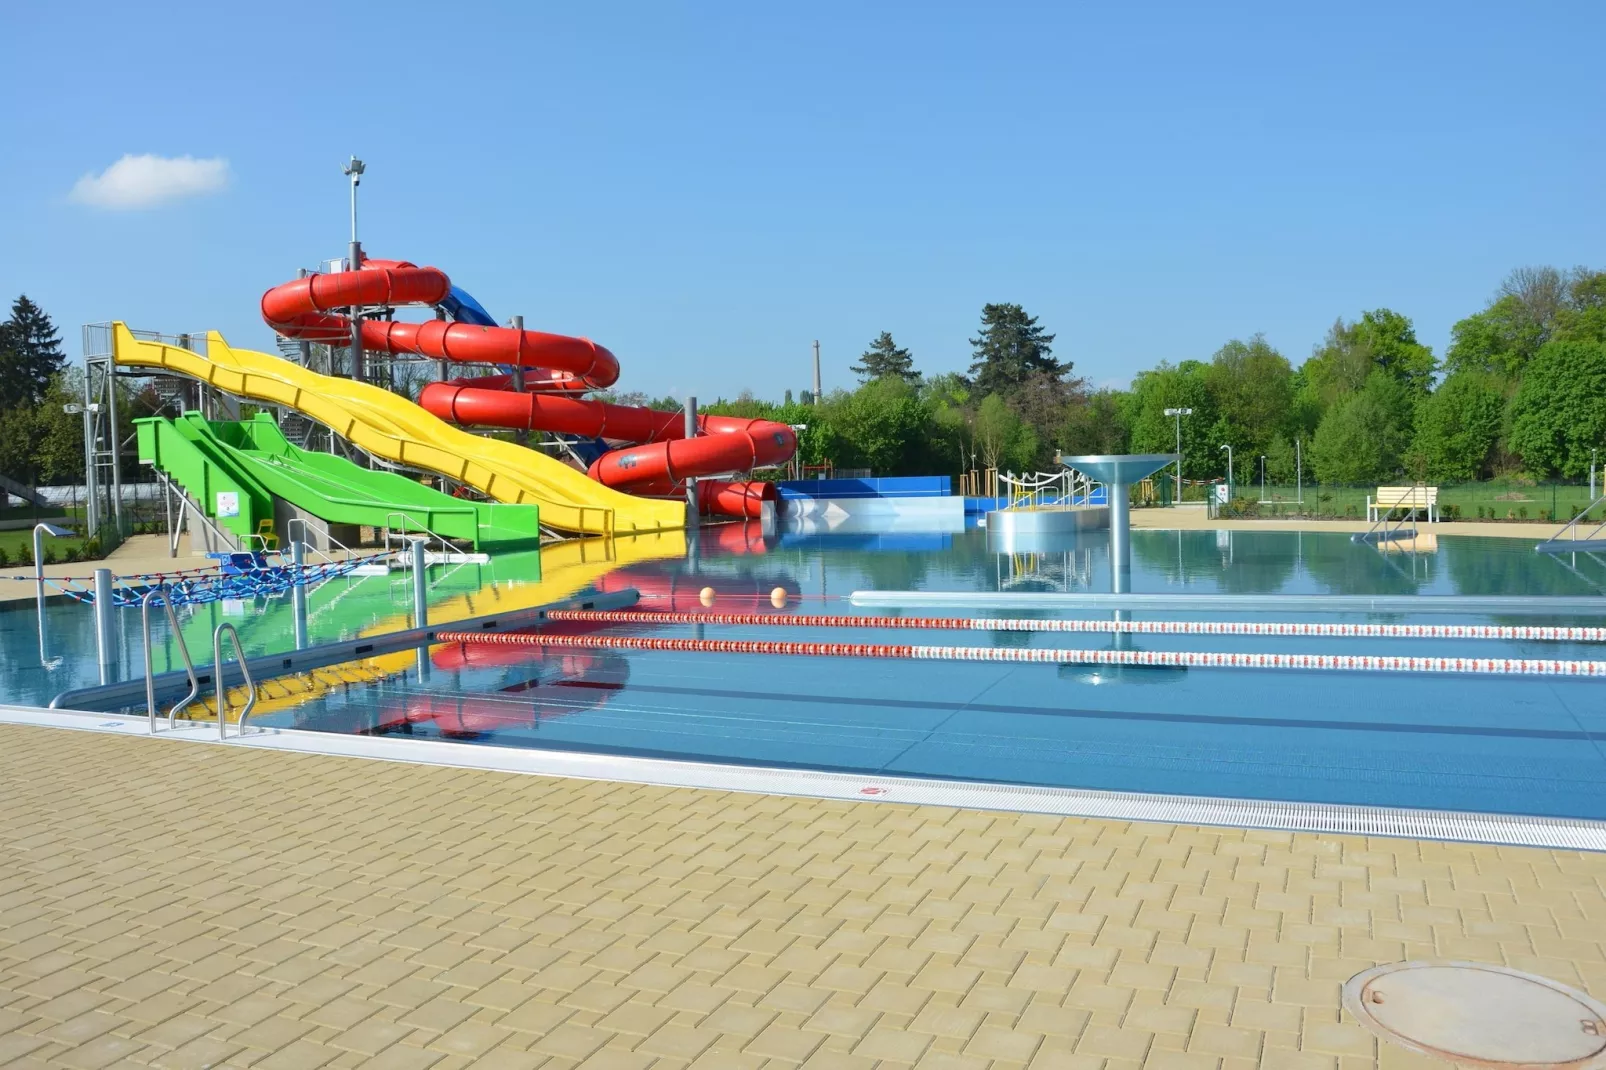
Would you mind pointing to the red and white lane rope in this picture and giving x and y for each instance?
(1162, 658)
(1129, 627)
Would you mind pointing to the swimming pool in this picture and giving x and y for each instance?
(1508, 745)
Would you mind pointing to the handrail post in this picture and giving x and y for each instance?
(217, 679)
(150, 668)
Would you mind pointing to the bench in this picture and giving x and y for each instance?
(1390, 498)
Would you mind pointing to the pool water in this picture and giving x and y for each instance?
(1512, 745)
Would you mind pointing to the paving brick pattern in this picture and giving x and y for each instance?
(177, 905)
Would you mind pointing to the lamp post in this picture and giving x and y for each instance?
(1179, 414)
(1229, 468)
(354, 170)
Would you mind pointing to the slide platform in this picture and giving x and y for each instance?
(394, 429)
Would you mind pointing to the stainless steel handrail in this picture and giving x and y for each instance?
(221, 688)
(150, 668)
(289, 534)
(403, 534)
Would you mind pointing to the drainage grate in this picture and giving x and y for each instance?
(1482, 1015)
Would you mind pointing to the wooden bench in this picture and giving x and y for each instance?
(1390, 498)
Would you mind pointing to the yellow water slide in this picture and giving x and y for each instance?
(395, 429)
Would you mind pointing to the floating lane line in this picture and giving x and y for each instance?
(1155, 658)
(1128, 627)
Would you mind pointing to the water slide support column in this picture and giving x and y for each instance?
(421, 598)
(521, 436)
(298, 593)
(105, 625)
(691, 481)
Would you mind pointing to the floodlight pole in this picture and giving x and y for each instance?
(1179, 414)
(1299, 473)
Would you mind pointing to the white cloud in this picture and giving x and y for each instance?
(148, 180)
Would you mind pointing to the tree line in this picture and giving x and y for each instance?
(1520, 392)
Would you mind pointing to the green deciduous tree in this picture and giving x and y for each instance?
(1253, 388)
(1003, 439)
(1458, 426)
(885, 359)
(30, 354)
(1381, 340)
(1010, 348)
(1363, 436)
(1559, 413)
(1500, 340)
(1179, 386)
(1095, 424)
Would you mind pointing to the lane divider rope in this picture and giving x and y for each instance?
(1128, 627)
(1156, 658)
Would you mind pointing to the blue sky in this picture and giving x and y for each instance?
(707, 188)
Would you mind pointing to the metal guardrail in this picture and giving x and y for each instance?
(217, 675)
(270, 666)
(1562, 542)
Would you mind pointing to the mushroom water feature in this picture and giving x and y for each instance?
(1118, 472)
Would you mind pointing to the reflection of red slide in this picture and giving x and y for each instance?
(569, 681)
(566, 366)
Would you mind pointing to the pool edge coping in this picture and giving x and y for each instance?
(1331, 818)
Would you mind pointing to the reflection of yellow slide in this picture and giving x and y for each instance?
(566, 568)
(394, 428)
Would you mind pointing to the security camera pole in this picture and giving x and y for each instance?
(354, 171)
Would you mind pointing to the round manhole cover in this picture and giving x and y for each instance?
(1470, 1012)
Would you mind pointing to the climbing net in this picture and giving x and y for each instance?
(198, 586)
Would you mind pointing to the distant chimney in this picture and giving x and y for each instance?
(816, 371)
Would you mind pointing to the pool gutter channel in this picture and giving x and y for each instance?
(1329, 818)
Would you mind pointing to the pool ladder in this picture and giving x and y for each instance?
(189, 668)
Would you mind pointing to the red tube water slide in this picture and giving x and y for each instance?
(661, 457)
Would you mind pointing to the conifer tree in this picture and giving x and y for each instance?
(30, 354)
(886, 360)
(1011, 348)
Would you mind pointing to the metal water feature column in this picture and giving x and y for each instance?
(1118, 472)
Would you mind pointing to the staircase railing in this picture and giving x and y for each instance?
(1386, 530)
(1567, 540)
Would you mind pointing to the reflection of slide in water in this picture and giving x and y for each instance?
(558, 685)
(526, 580)
(682, 591)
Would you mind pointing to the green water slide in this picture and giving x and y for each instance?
(234, 470)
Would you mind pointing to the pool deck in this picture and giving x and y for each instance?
(177, 905)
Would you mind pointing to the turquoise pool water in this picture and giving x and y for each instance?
(1513, 745)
